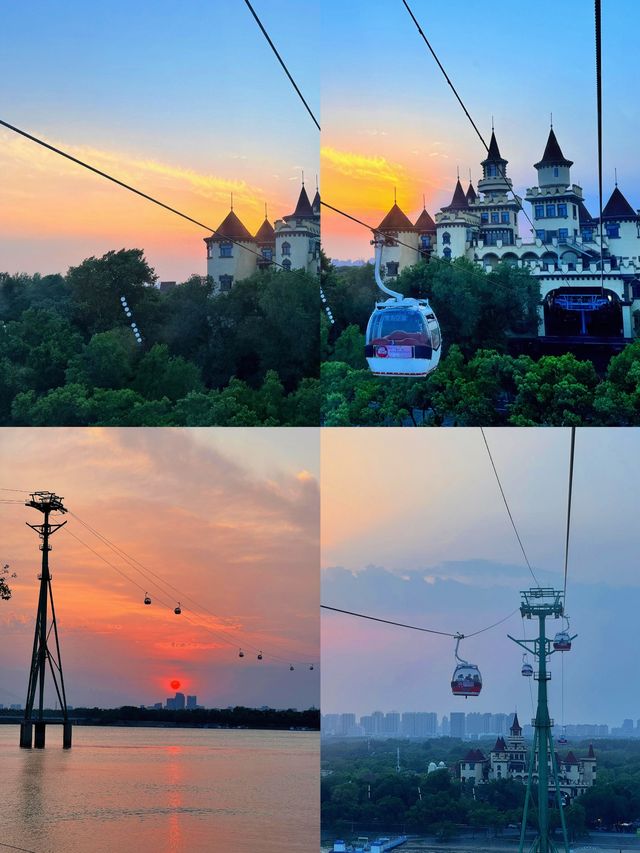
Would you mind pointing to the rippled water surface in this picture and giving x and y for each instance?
(133, 790)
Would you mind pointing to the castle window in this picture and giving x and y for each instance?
(495, 216)
(492, 170)
(286, 248)
(563, 233)
(562, 210)
(447, 254)
(505, 217)
(225, 283)
(446, 238)
(612, 229)
(286, 264)
(587, 234)
(575, 211)
(555, 172)
(392, 268)
(539, 211)
(425, 241)
(226, 250)
(267, 253)
(540, 233)
(484, 216)
(551, 210)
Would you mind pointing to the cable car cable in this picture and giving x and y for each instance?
(475, 127)
(417, 627)
(224, 636)
(598, 27)
(569, 496)
(504, 498)
(130, 188)
(281, 61)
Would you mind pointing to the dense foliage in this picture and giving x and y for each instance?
(243, 358)
(361, 787)
(477, 382)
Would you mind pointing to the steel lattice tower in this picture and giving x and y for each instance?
(542, 603)
(46, 503)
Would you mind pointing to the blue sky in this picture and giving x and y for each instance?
(384, 97)
(184, 99)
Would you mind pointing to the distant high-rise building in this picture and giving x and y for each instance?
(192, 702)
(419, 724)
(446, 727)
(627, 726)
(457, 724)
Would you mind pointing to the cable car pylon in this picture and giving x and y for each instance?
(543, 603)
(46, 503)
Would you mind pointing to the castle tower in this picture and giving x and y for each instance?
(589, 768)
(298, 236)
(396, 225)
(227, 260)
(426, 230)
(498, 208)
(266, 242)
(555, 201)
(457, 226)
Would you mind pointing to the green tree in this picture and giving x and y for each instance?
(161, 375)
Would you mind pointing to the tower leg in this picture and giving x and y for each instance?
(40, 729)
(26, 735)
(66, 735)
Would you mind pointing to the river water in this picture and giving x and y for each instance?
(133, 790)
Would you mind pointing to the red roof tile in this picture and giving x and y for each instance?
(396, 220)
(425, 224)
(265, 233)
(232, 228)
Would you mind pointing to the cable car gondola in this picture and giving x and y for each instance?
(527, 669)
(240, 654)
(259, 655)
(466, 679)
(403, 336)
(562, 640)
(177, 610)
(147, 599)
(291, 668)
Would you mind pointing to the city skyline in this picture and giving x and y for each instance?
(230, 522)
(422, 537)
(396, 128)
(129, 103)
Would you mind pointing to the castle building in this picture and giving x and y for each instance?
(509, 759)
(234, 254)
(579, 300)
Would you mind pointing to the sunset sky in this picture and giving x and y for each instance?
(229, 517)
(416, 531)
(390, 119)
(185, 101)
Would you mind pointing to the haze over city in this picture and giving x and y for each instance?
(230, 518)
(179, 102)
(418, 533)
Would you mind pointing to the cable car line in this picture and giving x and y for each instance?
(281, 61)
(474, 125)
(130, 188)
(598, 27)
(566, 547)
(504, 498)
(179, 610)
(453, 636)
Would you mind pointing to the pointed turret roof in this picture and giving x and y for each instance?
(315, 204)
(500, 745)
(515, 725)
(471, 194)
(424, 223)
(493, 154)
(570, 759)
(232, 229)
(591, 752)
(584, 217)
(459, 200)
(303, 208)
(266, 234)
(396, 220)
(553, 155)
(618, 207)
(474, 755)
